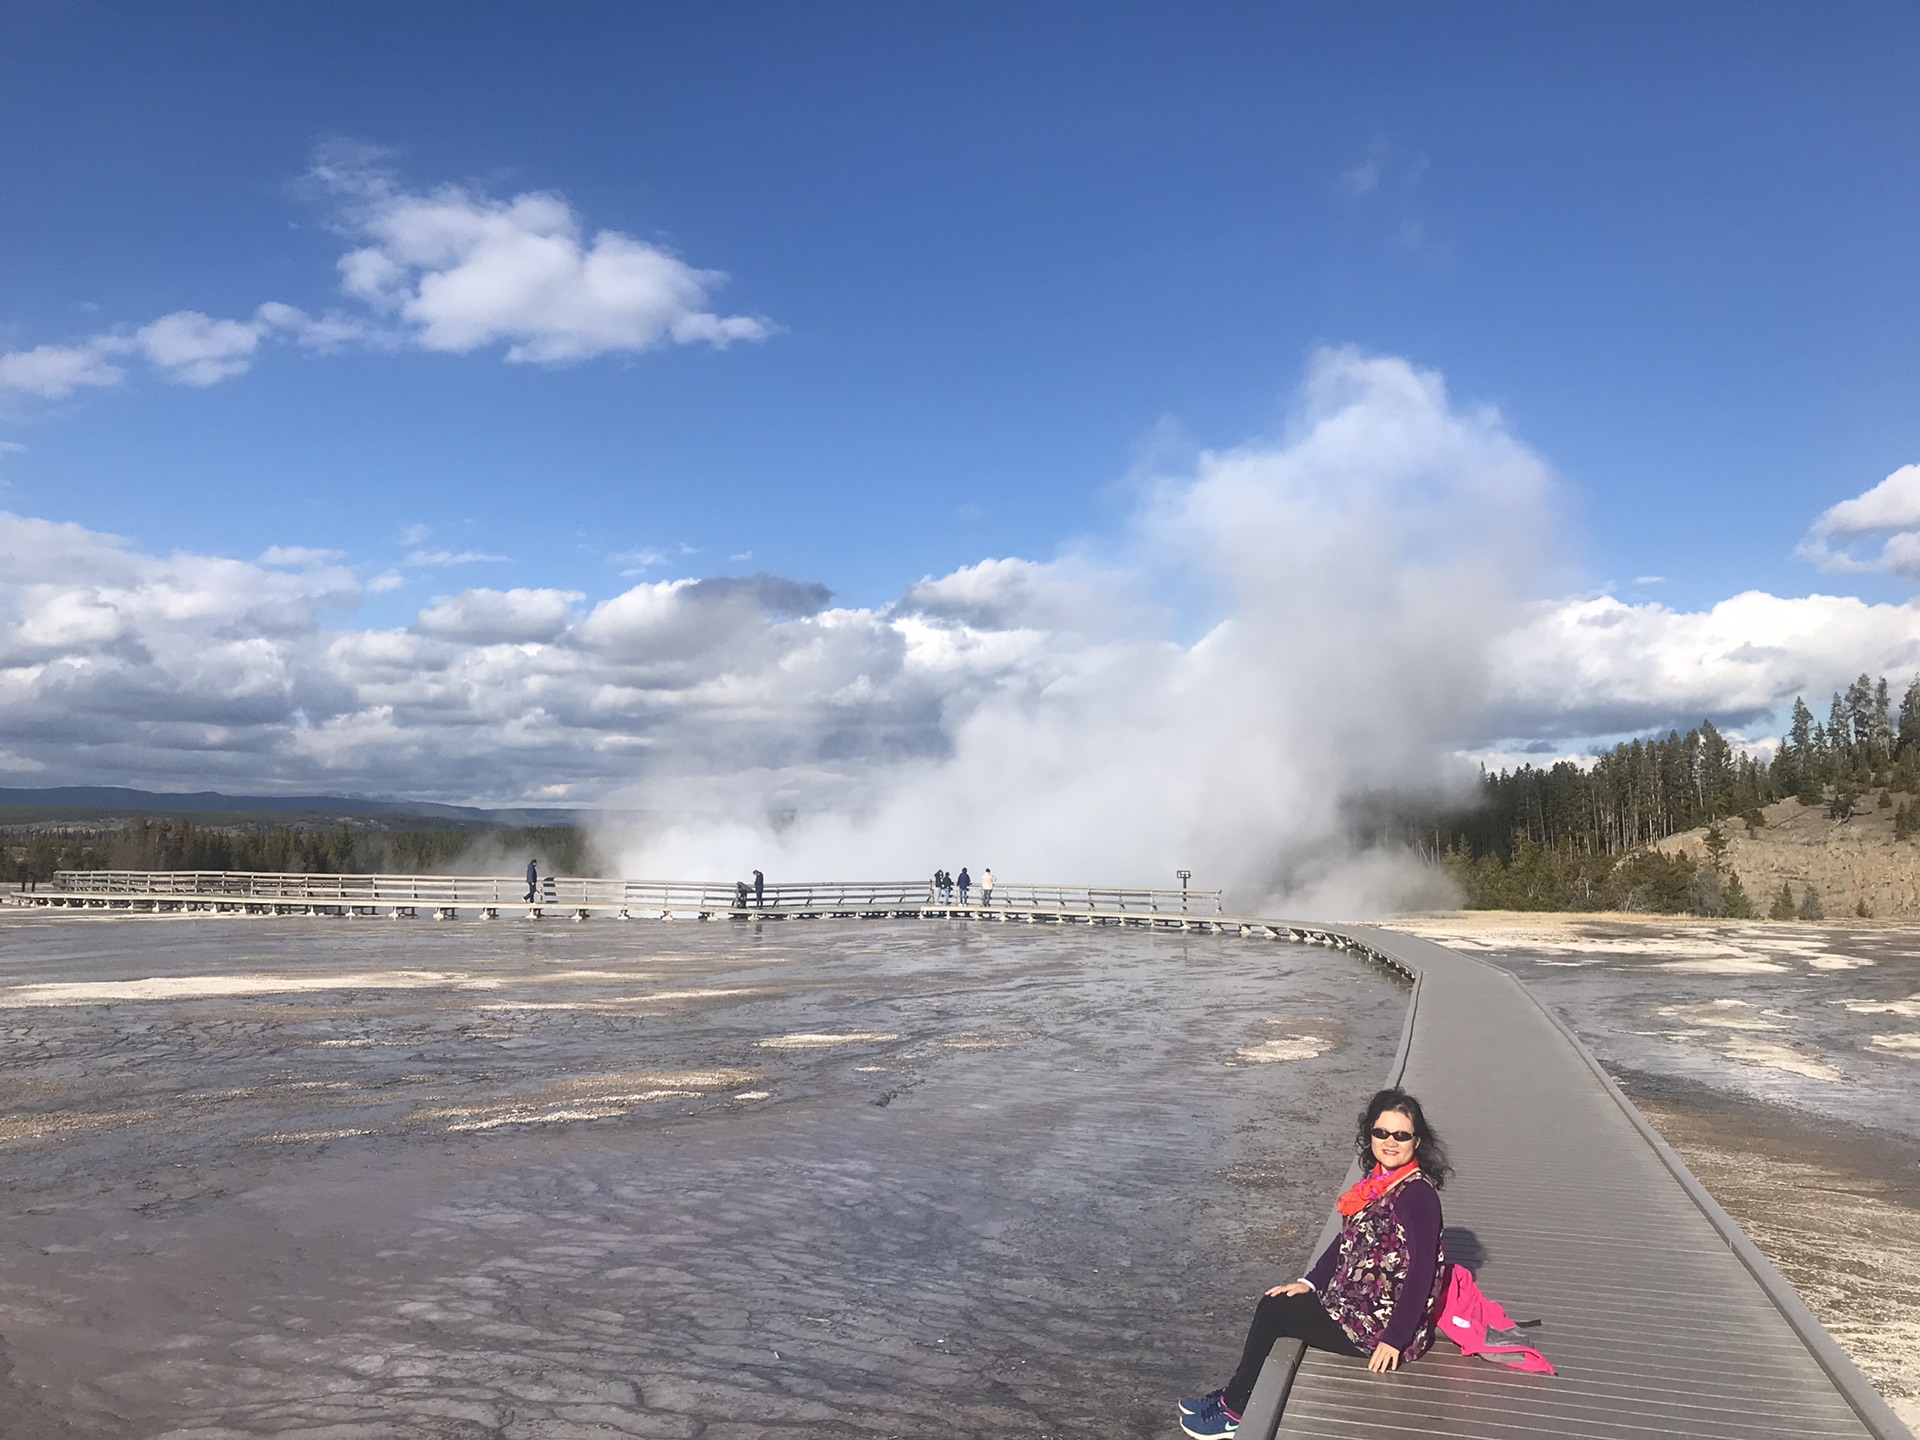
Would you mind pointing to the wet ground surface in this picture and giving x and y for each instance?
(351, 1179)
(1783, 1062)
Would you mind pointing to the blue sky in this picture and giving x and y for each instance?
(1005, 253)
(749, 411)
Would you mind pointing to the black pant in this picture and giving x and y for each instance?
(1301, 1317)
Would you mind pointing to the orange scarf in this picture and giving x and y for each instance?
(1373, 1187)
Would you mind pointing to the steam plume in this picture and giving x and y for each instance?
(1280, 627)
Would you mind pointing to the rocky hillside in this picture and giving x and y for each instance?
(1847, 861)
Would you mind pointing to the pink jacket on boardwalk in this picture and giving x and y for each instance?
(1480, 1327)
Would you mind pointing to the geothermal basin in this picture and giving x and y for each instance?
(342, 1179)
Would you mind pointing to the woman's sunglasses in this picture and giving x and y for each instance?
(1403, 1136)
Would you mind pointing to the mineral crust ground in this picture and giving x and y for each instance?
(355, 1179)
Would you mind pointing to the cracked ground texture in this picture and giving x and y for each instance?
(340, 1180)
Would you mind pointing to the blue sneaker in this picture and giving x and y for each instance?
(1211, 1422)
(1201, 1402)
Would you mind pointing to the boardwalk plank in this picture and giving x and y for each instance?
(1657, 1326)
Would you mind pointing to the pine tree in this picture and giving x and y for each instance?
(1797, 753)
(1909, 733)
(1782, 908)
(1880, 736)
(1858, 707)
(1810, 905)
(1715, 778)
(1739, 905)
(1716, 843)
(1821, 760)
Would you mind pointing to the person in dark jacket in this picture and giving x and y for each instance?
(1376, 1290)
(759, 888)
(533, 881)
(966, 883)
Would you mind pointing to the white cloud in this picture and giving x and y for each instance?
(299, 556)
(462, 271)
(53, 372)
(494, 617)
(1364, 178)
(448, 270)
(194, 349)
(638, 562)
(185, 347)
(453, 557)
(1889, 513)
(1599, 666)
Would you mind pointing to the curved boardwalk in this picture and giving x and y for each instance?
(1660, 1316)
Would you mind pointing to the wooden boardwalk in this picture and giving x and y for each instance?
(1661, 1318)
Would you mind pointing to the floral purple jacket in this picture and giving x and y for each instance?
(1383, 1279)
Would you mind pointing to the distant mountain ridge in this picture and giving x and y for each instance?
(100, 801)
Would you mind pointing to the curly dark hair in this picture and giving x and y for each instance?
(1427, 1147)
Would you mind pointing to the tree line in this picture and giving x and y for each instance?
(34, 852)
(1568, 837)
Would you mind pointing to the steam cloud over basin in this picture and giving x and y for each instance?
(801, 1179)
(1275, 627)
(1360, 604)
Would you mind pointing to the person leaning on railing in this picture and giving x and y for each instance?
(1376, 1290)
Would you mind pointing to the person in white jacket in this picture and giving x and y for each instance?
(986, 886)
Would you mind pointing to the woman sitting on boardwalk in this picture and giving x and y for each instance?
(1377, 1289)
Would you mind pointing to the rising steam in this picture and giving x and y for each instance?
(1281, 628)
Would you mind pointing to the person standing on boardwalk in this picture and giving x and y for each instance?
(1376, 1291)
(966, 882)
(986, 886)
(759, 888)
(533, 881)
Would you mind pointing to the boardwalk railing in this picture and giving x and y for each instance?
(455, 892)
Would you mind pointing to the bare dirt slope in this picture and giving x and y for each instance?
(1846, 861)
